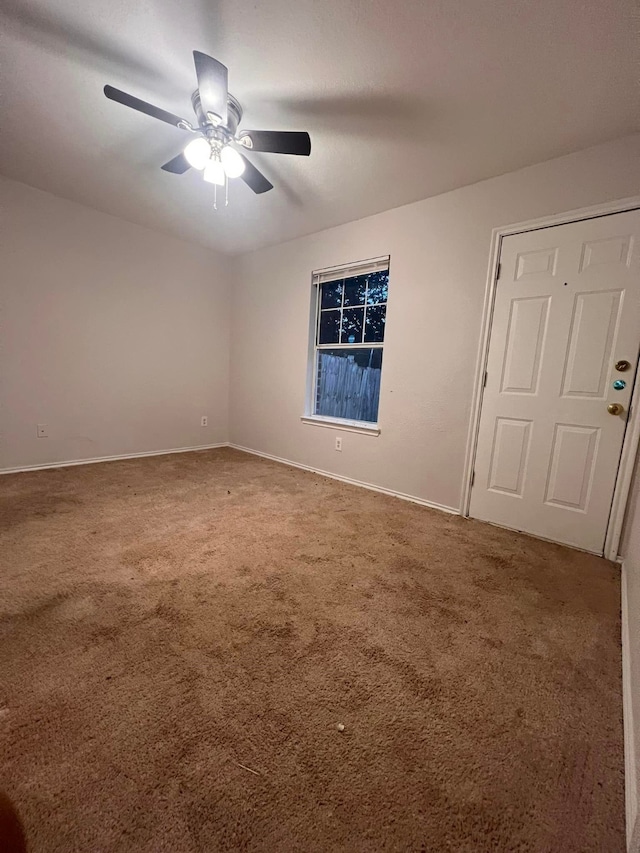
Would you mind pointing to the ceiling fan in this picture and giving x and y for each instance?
(217, 146)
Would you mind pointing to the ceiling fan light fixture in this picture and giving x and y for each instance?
(197, 153)
(214, 173)
(232, 162)
(216, 149)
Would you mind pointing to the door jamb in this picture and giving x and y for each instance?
(632, 432)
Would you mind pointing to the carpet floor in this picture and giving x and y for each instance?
(180, 637)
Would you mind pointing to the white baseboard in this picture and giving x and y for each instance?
(70, 462)
(449, 509)
(630, 783)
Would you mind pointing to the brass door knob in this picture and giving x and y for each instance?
(615, 409)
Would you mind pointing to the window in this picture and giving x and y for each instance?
(351, 311)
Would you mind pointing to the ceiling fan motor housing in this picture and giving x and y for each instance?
(234, 113)
(218, 116)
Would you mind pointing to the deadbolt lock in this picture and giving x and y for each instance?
(615, 409)
(622, 365)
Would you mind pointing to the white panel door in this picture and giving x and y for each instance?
(567, 309)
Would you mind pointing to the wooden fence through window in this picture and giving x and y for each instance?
(346, 390)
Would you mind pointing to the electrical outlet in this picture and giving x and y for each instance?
(338, 443)
(42, 431)
(204, 421)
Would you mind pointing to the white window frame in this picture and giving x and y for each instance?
(318, 278)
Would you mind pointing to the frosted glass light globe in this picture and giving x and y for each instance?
(197, 153)
(232, 162)
(214, 173)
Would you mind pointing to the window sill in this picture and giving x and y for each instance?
(337, 423)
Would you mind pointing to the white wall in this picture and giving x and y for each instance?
(631, 659)
(439, 255)
(115, 336)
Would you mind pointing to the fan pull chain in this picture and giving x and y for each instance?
(226, 194)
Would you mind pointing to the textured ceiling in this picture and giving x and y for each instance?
(403, 100)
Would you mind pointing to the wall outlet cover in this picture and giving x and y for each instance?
(204, 421)
(42, 431)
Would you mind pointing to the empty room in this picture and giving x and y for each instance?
(319, 426)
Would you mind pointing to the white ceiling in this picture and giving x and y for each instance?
(403, 99)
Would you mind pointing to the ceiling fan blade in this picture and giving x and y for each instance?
(254, 178)
(277, 141)
(178, 166)
(212, 85)
(142, 106)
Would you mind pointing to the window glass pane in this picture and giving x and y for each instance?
(354, 290)
(352, 320)
(331, 294)
(329, 327)
(374, 323)
(348, 383)
(378, 287)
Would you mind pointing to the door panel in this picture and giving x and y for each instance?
(573, 453)
(567, 308)
(593, 329)
(525, 337)
(613, 250)
(509, 455)
(538, 263)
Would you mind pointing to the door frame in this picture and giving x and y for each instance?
(632, 432)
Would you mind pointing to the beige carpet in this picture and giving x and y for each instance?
(166, 621)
